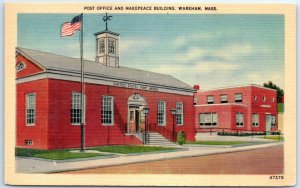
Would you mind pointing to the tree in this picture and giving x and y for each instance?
(280, 92)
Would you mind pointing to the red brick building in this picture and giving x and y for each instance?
(242, 109)
(49, 100)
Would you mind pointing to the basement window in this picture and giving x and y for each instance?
(28, 142)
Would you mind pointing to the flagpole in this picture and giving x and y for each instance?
(82, 129)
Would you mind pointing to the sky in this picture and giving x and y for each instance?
(214, 50)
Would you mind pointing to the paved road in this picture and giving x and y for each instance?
(258, 161)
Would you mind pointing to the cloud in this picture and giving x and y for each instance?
(222, 67)
(130, 44)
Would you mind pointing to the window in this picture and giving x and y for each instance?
(208, 119)
(20, 66)
(255, 97)
(255, 120)
(161, 113)
(107, 112)
(210, 99)
(238, 97)
(273, 99)
(239, 119)
(28, 142)
(101, 46)
(224, 99)
(30, 108)
(76, 109)
(179, 113)
(111, 47)
(264, 98)
(273, 121)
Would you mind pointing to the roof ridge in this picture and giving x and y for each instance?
(51, 53)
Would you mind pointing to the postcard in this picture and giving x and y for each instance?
(145, 94)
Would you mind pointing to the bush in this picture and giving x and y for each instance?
(181, 138)
(276, 133)
(240, 133)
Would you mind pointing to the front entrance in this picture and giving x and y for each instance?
(136, 122)
(268, 123)
(136, 117)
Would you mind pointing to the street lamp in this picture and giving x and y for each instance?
(146, 112)
(173, 112)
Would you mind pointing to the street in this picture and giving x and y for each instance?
(257, 161)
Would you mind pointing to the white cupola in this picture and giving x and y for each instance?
(107, 48)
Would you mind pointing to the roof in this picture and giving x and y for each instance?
(106, 31)
(50, 61)
(240, 86)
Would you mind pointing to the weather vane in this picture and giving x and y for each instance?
(105, 19)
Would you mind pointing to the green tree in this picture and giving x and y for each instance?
(280, 92)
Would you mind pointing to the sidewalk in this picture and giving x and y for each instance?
(28, 165)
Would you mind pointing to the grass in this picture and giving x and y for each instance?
(53, 154)
(131, 149)
(275, 137)
(217, 142)
(280, 107)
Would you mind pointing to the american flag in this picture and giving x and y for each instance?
(69, 28)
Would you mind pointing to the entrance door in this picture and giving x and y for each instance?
(137, 120)
(268, 123)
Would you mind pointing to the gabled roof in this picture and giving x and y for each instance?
(50, 61)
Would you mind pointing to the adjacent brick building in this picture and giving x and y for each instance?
(236, 109)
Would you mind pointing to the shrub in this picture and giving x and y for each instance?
(181, 138)
(240, 133)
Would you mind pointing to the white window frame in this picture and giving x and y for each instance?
(30, 105)
(239, 119)
(223, 98)
(28, 142)
(111, 46)
(20, 66)
(255, 120)
(273, 121)
(76, 104)
(101, 46)
(179, 113)
(161, 109)
(238, 97)
(209, 119)
(210, 99)
(110, 107)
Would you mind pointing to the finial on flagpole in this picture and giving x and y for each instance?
(105, 19)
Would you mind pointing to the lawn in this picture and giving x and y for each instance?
(131, 149)
(277, 138)
(53, 154)
(217, 142)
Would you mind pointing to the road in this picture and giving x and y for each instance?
(257, 161)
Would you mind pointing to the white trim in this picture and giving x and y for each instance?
(265, 106)
(27, 107)
(164, 123)
(19, 51)
(112, 110)
(221, 104)
(99, 80)
(181, 114)
(18, 64)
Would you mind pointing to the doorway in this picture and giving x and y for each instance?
(136, 119)
(268, 123)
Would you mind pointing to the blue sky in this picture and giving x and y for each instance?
(209, 50)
